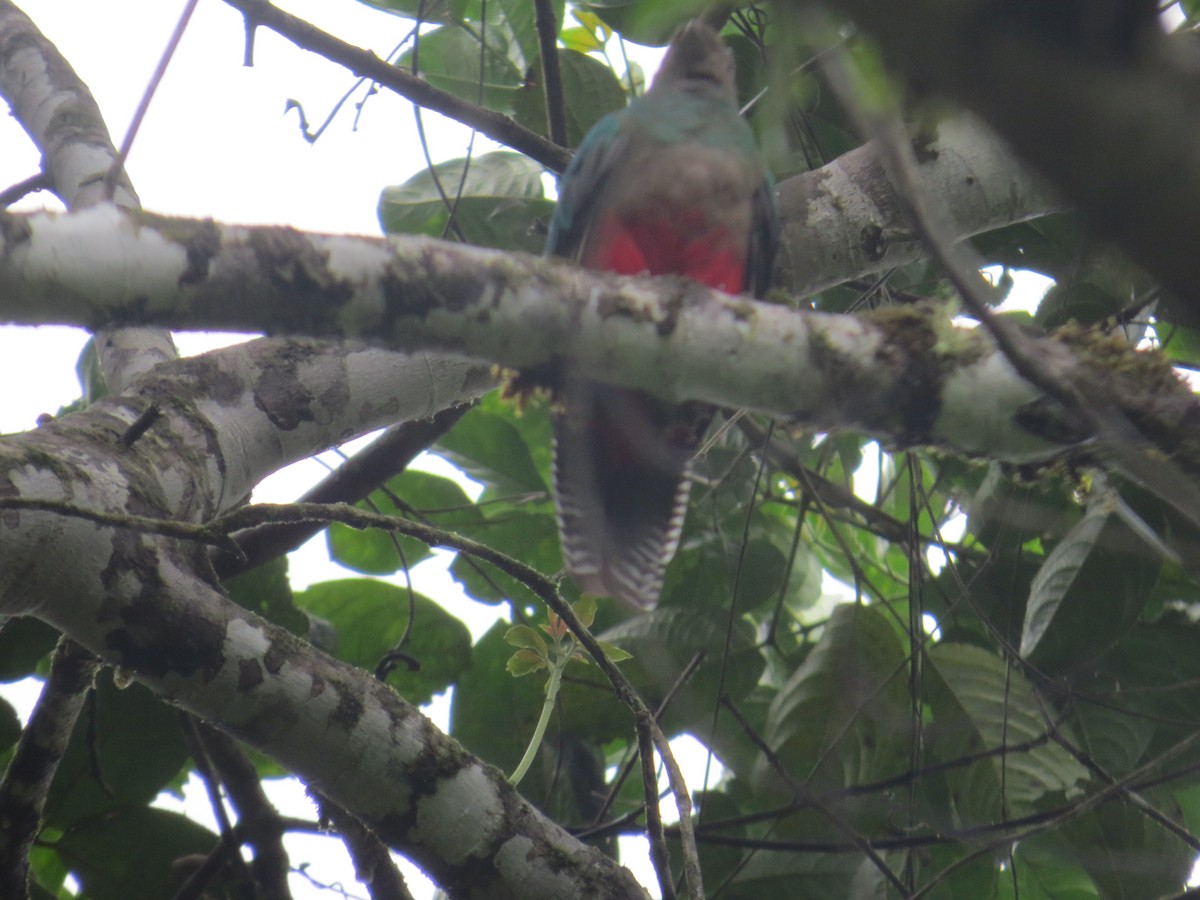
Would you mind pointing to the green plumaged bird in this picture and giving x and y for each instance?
(672, 184)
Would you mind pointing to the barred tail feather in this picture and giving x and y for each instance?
(622, 462)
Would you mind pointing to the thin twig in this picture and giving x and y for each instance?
(382, 459)
(552, 86)
(498, 127)
(118, 164)
(659, 857)
(30, 185)
(259, 822)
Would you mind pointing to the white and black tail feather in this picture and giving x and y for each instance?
(621, 480)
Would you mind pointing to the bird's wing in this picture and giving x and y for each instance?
(582, 188)
(764, 239)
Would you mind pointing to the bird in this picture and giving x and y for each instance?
(673, 183)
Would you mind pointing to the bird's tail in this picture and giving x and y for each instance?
(622, 461)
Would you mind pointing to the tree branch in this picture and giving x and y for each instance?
(58, 112)
(165, 623)
(39, 750)
(845, 220)
(906, 374)
(552, 87)
(364, 63)
(362, 473)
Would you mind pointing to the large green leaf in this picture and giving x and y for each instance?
(1150, 677)
(131, 854)
(426, 497)
(706, 575)
(644, 21)
(133, 745)
(497, 205)
(429, 10)
(10, 728)
(1179, 342)
(844, 717)
(776, 875)
(979, 706)
(516, 21)
(1091, 588)
(1129, 855)
(24, 642)
(1044, 869)
(371, 616)
(529, 534)
(490, 449)
(449, 58)
(664, 641)
(590, 90)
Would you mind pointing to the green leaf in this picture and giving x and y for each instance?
(370, 617)
(428, 10)
(664, 641)
(1115, 739)
(518, 24)
(778, 875)
(1102, 559)
(585, 609)
(102, 855)
(590, 89)
(979, 705)
(266, 591)
(525, 662)
(24, 643)
(1151, 676)
(1078, 301)
(529, 535)
(1044, 869)
(525, 637)
(10, 727)
(1059, 572)
(425, 496)
(498, 204)
(581, 40)
(490, 449)
(650, 22)
(48, 870)
(137, 747)
(1179, 342)
(1128, 854)
(844, 716)
(491, 715)
(449, 59)
(705, 573)
(613, 652)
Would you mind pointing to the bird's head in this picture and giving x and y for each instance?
(697, 59)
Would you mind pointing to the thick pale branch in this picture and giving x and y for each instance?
(146, 603)
(844, 220)
(58, 112)
(906, 375)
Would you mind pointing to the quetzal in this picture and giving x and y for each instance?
(672, 184)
